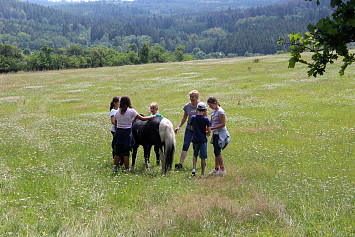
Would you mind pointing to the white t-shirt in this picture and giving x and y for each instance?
(112, 114)
(125, 120)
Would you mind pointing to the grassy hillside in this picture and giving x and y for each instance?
(290, 163)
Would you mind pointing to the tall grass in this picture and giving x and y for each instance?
(290, 163)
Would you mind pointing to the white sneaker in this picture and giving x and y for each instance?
(203, 176)
(221, 172)
(193, 172)
(213, 172)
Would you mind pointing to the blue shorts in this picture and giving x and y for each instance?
(216, 148)
(200, 148)
(187, 139)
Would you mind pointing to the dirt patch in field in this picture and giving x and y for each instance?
(84, 106)
(221, 197)
(10, 98)
(10, 86)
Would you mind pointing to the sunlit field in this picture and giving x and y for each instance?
(290, 163)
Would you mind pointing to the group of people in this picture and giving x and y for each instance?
(198, 128)
(122, 115)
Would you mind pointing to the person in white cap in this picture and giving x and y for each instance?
(201, 126)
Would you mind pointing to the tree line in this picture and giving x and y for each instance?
(13, 59)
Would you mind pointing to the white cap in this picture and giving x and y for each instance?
(201, 106)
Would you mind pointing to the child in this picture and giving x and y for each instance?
(189, 110)
(154, 109)
(123, 139)
(221, 137)
(200, 124)
(113, 108)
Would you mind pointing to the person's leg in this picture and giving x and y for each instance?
(126, 162)
(194, 161)
(196, 148)
(185, 147)
(125, 153)
(220, 162)
(222, 170)
(183, 156)
(116, 160)
(216, 164)
(216, 151)
(203, 165)
(203, 156)
(194, 158)
(112, 145)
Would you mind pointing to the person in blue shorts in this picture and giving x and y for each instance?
(189, 110)
(201, 126)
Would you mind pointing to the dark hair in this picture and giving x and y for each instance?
(125, 103)
(213, 100)
(114, 100)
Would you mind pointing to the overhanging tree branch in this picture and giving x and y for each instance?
(327, 40)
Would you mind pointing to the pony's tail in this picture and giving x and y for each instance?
(167, 136)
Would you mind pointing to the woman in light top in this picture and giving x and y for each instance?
(123, 138)
(220, 137)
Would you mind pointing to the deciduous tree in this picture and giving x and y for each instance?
(327, 40)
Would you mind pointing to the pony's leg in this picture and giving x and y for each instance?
(134, 154)
(156, 149)
(147, 155)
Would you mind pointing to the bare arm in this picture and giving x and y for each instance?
(115, 123)
(208, 131)
(183, 120)
(222, 117)
(144, 118)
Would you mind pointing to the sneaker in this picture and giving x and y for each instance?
(193, 172)
(178, 166)
(213, 172)
(203, 176)
(126, 171)
(115, 169)
(221, 172)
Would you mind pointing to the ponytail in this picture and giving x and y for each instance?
(114, 100)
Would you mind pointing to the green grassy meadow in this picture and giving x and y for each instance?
(290, 163)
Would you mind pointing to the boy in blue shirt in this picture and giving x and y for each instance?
(201, 130)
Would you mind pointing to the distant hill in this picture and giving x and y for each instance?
(170, 6)
(231, 31)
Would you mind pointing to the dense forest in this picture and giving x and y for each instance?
(126, 30)
(169, 6)
(232, 31)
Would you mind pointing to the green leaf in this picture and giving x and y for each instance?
(292, 62)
